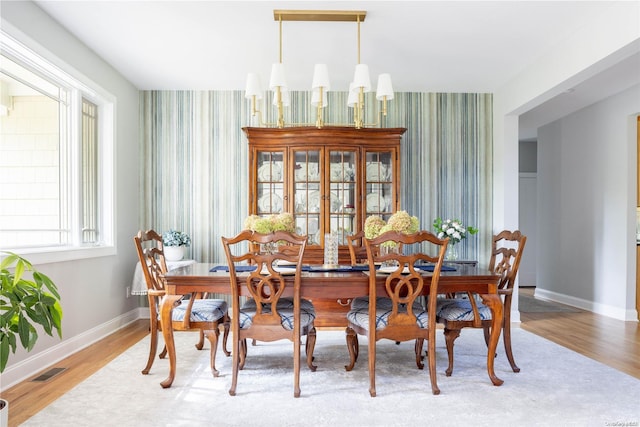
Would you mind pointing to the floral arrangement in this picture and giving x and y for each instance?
(269, 224)
(453, 229)
(175, 238)
(400, 221)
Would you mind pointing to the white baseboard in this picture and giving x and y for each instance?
(40, 361)
(603, 309)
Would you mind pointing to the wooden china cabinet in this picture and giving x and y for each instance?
(330, 179)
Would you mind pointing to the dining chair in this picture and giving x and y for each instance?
(274, 309)
(357, 251)
(397, 313)
(469, 312)
(193, 313)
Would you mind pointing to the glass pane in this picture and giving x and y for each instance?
(307, 166)
(342, 194)
(270, 167)
(379, 188)
(89, 183)
(270, 183)
(33, 190)
(307, 196)
(379, 167)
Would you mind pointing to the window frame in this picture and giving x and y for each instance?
(80, 88)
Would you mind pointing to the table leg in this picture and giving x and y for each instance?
(167, 333)
(494, 302)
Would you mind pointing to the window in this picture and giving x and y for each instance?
(55, 156)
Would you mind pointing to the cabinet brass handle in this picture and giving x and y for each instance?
(344, 304)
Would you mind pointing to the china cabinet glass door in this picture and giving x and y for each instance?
(307, 194)
(270, 182)
(379, 184)
(342, 194)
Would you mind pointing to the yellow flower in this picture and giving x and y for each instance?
(372, 226)
(400, 221)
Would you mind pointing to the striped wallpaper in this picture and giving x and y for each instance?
(195, 159)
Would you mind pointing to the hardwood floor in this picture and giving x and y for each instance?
(28, 397)
(609, 341)
(613, 342)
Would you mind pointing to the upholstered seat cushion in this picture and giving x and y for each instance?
(363, 302)
(285, 309)
(460, 309)
(203, 310)
(359, 313)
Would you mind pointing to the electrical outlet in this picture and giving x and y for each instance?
(128, 291)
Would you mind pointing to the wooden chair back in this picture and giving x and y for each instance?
(150, 249)
(401, 316)
(357, 251)
(268, 287)
(506, 252)
(507, 248)
(405, 284)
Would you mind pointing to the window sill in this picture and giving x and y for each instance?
(50, 255)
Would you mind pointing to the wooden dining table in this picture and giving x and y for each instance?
(342, 285)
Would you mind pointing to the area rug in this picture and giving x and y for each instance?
(530, 304)
(556, 387)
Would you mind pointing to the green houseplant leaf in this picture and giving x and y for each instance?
(25, 303)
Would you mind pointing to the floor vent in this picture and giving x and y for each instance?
(48, 375)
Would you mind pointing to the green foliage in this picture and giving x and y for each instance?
(453, 229)
(24, 304)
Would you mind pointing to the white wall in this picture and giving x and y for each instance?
(528, 214)
(93, 290)
(586, 205)
(614, 36)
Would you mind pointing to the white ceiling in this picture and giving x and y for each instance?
(430, 46)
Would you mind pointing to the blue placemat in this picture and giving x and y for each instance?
(339, 268)
(319, 268)
(432, 267)
(239, 268)
(245, 268)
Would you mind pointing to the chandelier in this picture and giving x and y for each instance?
(360, 84)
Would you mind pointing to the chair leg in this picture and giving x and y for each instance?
(372, 364)
(487, 334)
(296, 366)
(450, 336)
(418, 350)
(235, 363)
(153, 348)
(352, 346)
(225, 336)
(163, 353)
(200, 344)
(213, 335)
(431, 358)
(506, 337)
(309, 347)
(243, 353)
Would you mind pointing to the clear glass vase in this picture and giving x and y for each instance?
(270, 248)
(452, 252)
(386, 250)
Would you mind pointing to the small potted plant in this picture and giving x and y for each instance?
(24, 304)
(175, 243)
